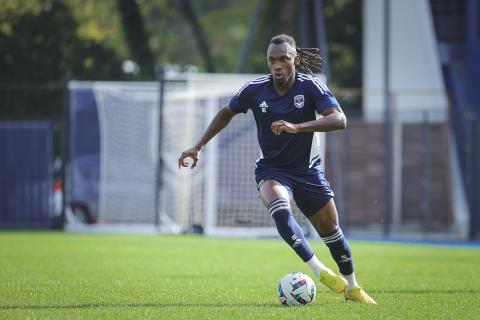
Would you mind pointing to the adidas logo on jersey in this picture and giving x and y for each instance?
(263, 106)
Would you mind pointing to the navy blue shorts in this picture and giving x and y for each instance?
(310, 190)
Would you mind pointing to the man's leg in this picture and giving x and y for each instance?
(325, 221)
(276, 197)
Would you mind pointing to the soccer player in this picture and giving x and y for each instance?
(284, 105)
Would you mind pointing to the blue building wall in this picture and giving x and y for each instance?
(25, 174)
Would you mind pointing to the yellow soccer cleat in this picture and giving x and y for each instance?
(359, 295)
(333, 281)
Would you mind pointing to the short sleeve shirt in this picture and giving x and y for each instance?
(307, 97)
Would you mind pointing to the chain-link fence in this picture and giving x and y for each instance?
(399, 177)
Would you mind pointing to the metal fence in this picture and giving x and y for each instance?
(422, 186)
(397, 177)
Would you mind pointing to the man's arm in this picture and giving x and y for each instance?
(333, 119)
(220, 121)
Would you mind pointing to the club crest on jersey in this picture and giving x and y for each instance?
(299, 101)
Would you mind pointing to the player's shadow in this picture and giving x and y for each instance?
(144, 305)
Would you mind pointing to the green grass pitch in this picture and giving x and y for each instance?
(71, 276)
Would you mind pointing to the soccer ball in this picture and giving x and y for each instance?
(296, 289)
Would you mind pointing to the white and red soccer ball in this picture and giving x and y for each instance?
(296, 289)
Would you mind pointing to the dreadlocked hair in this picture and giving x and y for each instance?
(309, 57)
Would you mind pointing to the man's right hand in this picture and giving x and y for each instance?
(193, 153)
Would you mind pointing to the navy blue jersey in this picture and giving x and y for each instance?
(308, 95)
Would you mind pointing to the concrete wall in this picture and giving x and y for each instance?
(416, 81)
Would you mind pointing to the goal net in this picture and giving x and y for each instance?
(140, 185)
(128, 118)
(114, 132)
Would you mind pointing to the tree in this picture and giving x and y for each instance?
(137, 37)
(199, 35)
(38, 46)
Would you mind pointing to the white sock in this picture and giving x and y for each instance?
(316, 266)
(352, 282)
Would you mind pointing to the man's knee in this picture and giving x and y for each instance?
(325, 220)
(271, 190)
